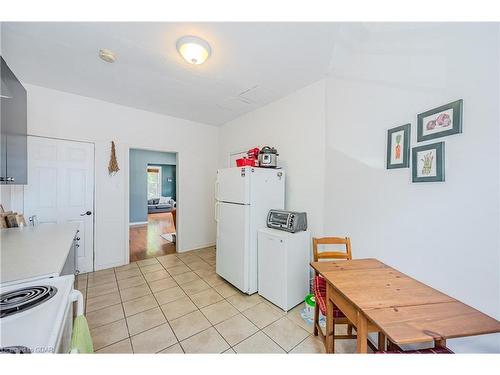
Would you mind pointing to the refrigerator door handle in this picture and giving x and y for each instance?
(216, 190)
(217, 219)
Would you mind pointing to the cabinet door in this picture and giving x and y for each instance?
(4, 101)
(14, 128)
(273, 268)
(3, 157)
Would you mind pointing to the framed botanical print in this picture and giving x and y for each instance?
(440, 121)
(428, 163)
(398, 147)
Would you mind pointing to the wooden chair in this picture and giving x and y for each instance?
(437, 349)
(320, 287)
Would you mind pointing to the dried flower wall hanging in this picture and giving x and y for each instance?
(113, 163)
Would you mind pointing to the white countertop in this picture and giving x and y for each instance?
(34, 251)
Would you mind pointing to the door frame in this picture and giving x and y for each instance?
(94, 213)
(127, 194)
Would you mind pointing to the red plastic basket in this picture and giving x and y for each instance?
(244, 162)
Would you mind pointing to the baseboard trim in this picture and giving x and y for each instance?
(138, 223)
(197, 248)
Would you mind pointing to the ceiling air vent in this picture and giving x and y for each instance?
(257, 95)
(234, 103)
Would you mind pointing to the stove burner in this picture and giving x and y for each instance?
(23, 299)
(15, 350)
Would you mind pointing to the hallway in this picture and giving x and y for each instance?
(146, 241)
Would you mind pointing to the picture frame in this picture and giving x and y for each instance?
(398, 147)
(428, 163)
(440, 122)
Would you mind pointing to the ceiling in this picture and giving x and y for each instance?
(251, 64)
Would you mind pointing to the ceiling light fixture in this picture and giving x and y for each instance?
(193, 49)
(107, 55)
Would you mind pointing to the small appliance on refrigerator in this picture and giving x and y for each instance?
(284, 266)
(244, 196)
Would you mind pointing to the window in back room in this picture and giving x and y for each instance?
(154, 182)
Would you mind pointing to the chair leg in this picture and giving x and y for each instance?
(316, 320)
(391, 346)
(381, 341)
(333, 337)
(440, 343)
(349, 329)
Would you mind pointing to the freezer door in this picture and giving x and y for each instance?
(267, 188)
(233, 243)
(233, 185)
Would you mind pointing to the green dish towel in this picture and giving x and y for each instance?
(81, 341)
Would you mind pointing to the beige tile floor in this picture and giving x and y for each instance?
(177, 304)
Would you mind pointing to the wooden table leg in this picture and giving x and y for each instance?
(330, 340)
(362, 333)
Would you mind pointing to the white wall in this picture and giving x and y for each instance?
(444, 234)
(295, 125)
(57, 114)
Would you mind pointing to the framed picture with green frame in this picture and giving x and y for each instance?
(428, 163)
(398, 147)
(440, 122)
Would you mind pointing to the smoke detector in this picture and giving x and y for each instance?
(107, 55)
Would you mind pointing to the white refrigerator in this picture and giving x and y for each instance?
(244, 197)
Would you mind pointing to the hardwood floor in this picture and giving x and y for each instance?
(145, 240)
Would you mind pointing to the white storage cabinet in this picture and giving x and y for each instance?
(283, 266)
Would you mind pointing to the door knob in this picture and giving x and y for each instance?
(88, 213)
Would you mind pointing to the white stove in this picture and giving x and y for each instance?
(37, 316)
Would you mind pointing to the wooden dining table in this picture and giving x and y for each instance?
(373, 294)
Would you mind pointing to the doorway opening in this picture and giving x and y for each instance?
(153, 204)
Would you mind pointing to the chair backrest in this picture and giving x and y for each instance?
(332, 254)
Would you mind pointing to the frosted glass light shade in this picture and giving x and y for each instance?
(193, 49)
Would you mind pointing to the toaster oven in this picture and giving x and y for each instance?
(290, 221)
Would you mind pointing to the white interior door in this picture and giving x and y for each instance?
(233, 243)
(61, 189)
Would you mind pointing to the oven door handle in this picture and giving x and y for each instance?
(77, 296)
